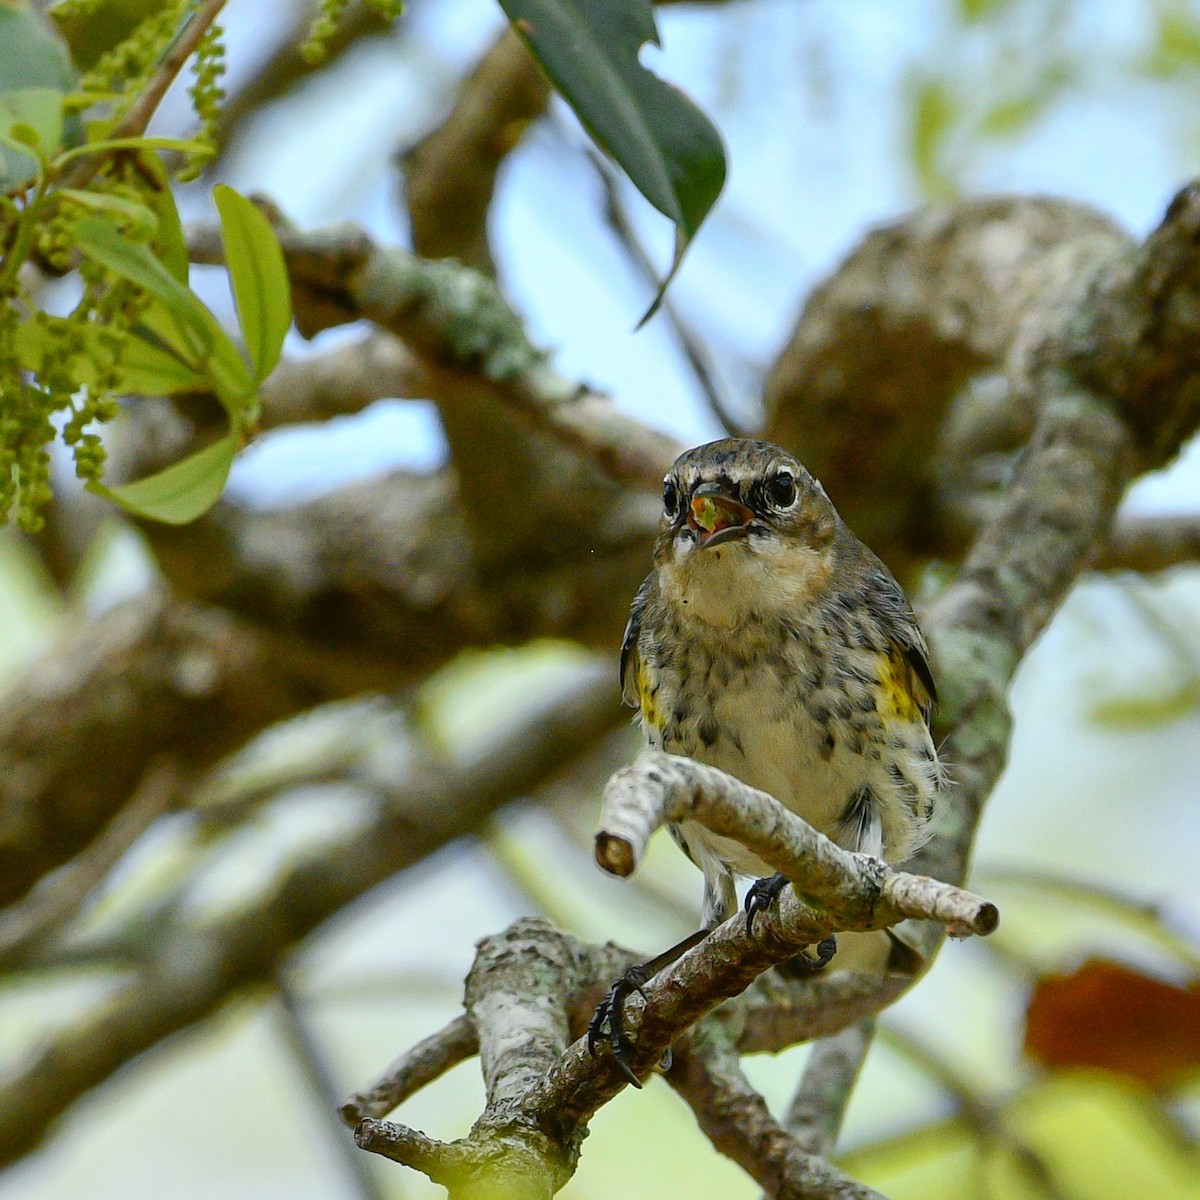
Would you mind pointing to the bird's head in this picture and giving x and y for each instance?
(744, 528)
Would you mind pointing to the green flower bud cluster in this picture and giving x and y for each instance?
(329, 16)
(320, 33)
(25, 429)
(129, 64)
(206, 93)
(389, 10)
(68, 365)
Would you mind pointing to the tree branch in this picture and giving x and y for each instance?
(152, 677)
(458, 322)
(1060, 505)
(46, 910)
(736, 1120)
(815, 1114)
(450, 175)
(192, 968)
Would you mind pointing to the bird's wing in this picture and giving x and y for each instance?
(630, 660)
(906, 639)
(911, 644)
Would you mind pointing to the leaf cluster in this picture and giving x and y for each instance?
(80, 197)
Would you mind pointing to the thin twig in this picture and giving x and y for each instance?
(134, 122)
(314, 1064)
(659, 788)
(428, 1060)
(617, 218)
(737, 1122)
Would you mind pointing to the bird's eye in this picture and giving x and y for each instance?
(782, 490)
(670, 499)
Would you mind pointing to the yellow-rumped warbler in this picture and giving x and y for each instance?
(770, 642)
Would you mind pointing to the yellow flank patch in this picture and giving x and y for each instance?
(646, 702)
(899, 683)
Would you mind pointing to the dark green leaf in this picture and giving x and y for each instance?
(258, 277)
(668, 147)
(179, 493)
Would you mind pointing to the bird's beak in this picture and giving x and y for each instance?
(715, 516)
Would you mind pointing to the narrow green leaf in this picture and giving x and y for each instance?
(669, 149)
(101, 240)
(169, 243)
(198, 335)
(935, 109)
(148, 369)
(118, 206)
(179, 493)
(258, 277)
(173, 145)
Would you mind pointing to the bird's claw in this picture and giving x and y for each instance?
(761, 894)
(610, 1012)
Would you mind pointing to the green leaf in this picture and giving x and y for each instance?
(139, 216)
(36, 70)
(171, 145)
(669, 149)
(935, 109)
(258, 276)
(169, 244)
(197, 334)
(148, 369)
(30, 119)
(179, 493)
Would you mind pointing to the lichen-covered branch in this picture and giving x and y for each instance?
(539, 1101)
(458, 322)
(864, 892)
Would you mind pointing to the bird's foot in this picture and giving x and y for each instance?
(811, 959)
(608, 1021)
(761, 894)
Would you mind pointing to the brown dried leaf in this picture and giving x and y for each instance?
(1108, 1015)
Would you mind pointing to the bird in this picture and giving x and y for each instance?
(770, 642)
